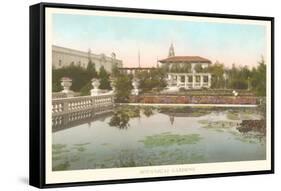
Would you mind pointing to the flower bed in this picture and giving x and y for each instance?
(180, 99)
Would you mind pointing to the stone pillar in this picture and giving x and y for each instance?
(178, 80)
(185, 81)
(95, 84)
(169, 80)
(201, 80)
(66, 84)
(193, 68)
(209, 80)
(193, 80)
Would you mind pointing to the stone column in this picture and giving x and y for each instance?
(201, 80)
(193, 81)
(178, 79)
(185, 81)
(169, 80)
(209, 80)
(193, 68)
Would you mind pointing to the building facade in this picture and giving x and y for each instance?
(192, 71)
(135, 70)
(62, 57)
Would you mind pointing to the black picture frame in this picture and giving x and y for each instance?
(37, 94)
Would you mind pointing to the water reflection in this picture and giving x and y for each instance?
(120, 119)
(200, 135)
(148, 111)
(122, 116)
(66, 121)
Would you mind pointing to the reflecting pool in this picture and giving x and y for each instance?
(130, 136)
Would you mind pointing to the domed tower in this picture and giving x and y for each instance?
(171, 51)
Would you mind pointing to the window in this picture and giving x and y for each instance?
(190, 79)
(197, 78)
(182, 78)
(60, 62)
(205, 79)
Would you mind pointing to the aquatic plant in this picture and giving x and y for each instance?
(58, 149)
(251, 138)
(106, 144)
(161, 140)
(58, 146)
(80, 149)
(62, 166)
(244, 114)
(55, 158)
(218, 125)
(189, 111)
(75, 158)
(82, 144)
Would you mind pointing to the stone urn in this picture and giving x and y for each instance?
(66, 84)
(135, 84)
(95, 84)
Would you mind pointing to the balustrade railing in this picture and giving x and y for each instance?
(73, 104)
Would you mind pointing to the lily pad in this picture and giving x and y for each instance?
(82, 144)
(62, 166)
(161, 140)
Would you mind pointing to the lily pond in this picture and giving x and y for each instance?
(130, 136)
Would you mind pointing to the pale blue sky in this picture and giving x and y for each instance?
(229, 43)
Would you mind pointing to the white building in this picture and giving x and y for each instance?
(196, 77)
(65, 56)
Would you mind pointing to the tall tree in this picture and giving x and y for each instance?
(258, 80)
(152, 80)
(104, 79)
(115, 71)
(217, 70)
(123, 86)
(91, 68)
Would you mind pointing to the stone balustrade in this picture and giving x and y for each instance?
(67, 105)
(60, 122)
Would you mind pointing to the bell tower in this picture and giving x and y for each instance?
(171, 51)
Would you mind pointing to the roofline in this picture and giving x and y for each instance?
(82, 52)
(207, 61)
(187, 62)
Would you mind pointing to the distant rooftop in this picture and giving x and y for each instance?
(185, 59)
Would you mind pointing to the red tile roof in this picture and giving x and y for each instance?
(186, 59)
